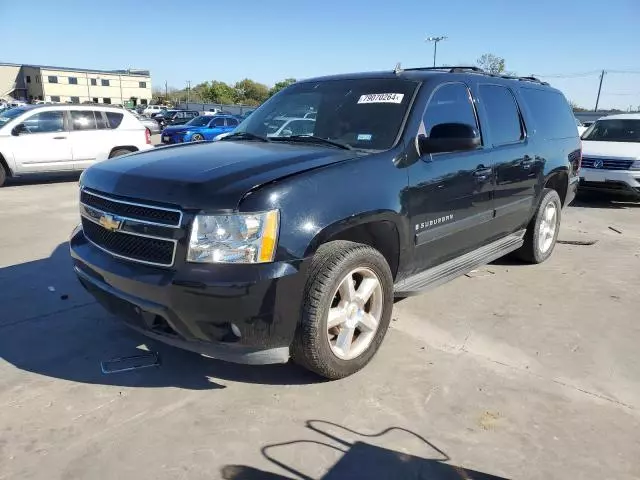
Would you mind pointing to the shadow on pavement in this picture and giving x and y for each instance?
(65, 334)
(604, 200)
(42, 178)
(360, 459)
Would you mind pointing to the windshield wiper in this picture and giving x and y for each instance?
(313, 139)
(245, 136)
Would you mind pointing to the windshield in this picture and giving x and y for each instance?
(199, 121)
(363, 113)
(614, 130)
(8, 115)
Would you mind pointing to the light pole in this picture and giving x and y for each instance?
(435, 41)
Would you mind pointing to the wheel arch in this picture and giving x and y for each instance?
(5, 165)
(558, 180)
(131, 148)
(379, 230)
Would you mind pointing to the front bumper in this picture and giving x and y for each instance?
(199, 307)
(626, 182)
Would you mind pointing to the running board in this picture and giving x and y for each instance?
(458, 266)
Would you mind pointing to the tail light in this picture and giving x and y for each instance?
(147, 135)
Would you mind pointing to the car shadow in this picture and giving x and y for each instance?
(604, 200)
(358, 458)
(51, 326)
(42, 179)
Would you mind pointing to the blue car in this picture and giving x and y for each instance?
(204, 127)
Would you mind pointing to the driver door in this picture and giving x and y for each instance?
(43, 144)
(450, 193)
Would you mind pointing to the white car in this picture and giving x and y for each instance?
(152, 110)
(62, 138)
(611, 155)
(287, 127)
(581, 127)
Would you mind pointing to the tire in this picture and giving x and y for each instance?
(316, 347)
(119, 151)
(3, 175)
(197, 137)
(534, 249)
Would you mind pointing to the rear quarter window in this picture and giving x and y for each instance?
(551, 113)
(114, 119)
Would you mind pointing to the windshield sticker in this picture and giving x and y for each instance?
(381, 98)
(365, 137)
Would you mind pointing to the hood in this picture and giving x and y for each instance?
(205, 175)
(622, 150)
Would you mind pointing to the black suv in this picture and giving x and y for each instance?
(268, 245)
(175, 117)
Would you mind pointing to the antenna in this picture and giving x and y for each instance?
(397, 69)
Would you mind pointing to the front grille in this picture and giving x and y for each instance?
(135, 211)
(142, 249)
(607, 163)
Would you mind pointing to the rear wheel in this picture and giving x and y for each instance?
(197, 137)
(347, 308)
(3, 175)
(542, 232)
(119, 151)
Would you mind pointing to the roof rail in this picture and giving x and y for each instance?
(460, 69)
(532, 79)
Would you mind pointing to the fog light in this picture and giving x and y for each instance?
(236, 330)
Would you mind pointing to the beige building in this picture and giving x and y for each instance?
(74, 85)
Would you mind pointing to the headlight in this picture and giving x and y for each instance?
(235, 238)
(635, 165)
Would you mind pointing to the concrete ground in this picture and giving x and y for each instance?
(527, 372)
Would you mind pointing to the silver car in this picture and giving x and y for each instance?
(149, 123)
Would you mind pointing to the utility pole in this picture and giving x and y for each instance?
(166, 92)
(435, 41)
(599, 90)
(188, 92)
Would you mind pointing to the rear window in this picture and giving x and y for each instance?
(551, 113)
(503, 115)
(114, 119)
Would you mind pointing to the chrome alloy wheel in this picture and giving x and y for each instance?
(355, 313)
(548, 225)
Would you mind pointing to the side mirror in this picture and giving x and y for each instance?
(18, 129)
(449, 137)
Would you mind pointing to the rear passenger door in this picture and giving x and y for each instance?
(516, 169)
(232, 123)
(92, 137)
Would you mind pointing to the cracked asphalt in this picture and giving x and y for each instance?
(515, 371)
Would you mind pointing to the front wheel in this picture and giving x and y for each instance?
(347, 309)
(3, 175)
(197, 137)
(542, 232)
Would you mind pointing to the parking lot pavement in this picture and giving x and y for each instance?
(511, 372)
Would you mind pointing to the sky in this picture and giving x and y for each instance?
(565, 42)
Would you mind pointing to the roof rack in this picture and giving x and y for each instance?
(474, 69)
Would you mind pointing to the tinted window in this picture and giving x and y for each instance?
(451, 103)
(74, 99)
(28, 79)
(614, 130)
(52, 79)
(94, 81)
(95, 99)
(114, 119)
(502, 112)
(218, 122)
(104, 83)
(73, 80)
(45, 122)
(82, 120)
(106, 100)
(142, 84)
(55, 98)
(100, 120)
(232, 122)
(551, 113)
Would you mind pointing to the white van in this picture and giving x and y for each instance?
(151, 110)
(60, 138)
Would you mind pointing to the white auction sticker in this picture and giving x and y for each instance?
(381, 98)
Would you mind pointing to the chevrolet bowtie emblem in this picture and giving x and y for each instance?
(110, 222)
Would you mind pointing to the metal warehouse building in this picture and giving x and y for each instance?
(74, 85)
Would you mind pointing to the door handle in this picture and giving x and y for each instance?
(59, 138)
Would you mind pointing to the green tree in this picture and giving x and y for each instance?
(281, 85)
(491, 63)
(218, 92)
(249, 92)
